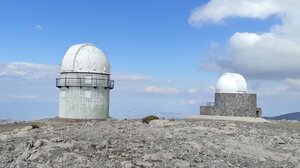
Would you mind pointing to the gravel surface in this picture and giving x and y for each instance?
(161, 143)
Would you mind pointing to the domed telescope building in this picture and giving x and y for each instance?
(232, 98)
(84, 83)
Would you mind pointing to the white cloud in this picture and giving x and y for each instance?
(265, 55)
(269, 55)
(271, 89)
(217, 10)
(28, 70)
(294, 84)
(159, 90)
(13, 96)
(17, 97)
(190, 102)
(37, 27)
(130, 77)
(192, 90)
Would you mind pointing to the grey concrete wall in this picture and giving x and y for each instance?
(84, 102)
(233, 104)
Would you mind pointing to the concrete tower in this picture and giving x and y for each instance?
(232, 98)
(84, 83)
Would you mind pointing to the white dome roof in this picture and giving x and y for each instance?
(231, 83)
(85, 58)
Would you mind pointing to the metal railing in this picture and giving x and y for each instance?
(84, 82)
(209, 104)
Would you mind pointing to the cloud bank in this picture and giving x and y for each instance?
(160, 90)
(130, 77)
(28, 70)
(217, 10)
(271, 55)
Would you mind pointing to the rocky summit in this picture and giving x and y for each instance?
(161, 143)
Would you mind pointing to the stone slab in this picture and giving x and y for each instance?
(226, 118)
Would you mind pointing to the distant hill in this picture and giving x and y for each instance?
(8, 121)
(289, 116)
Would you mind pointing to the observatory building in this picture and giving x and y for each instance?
(84, 83)
(232, 99)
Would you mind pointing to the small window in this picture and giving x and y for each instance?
(88, 94)
(63, 94)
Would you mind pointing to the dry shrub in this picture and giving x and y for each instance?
(149, 118)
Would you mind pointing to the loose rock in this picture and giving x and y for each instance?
(162, 143)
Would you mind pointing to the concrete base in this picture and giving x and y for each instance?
(228, 118)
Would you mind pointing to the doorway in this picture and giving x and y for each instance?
(257, 113)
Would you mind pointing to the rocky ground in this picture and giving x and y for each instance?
(161, 143)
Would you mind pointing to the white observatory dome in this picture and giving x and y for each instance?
(231, 83)
(85, 58)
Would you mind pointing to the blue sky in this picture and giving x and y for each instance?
(165, 56)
